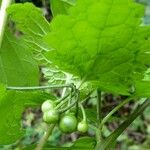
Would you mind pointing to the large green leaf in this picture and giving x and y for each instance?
(17, 67)
(32, 23)
(101, 41)
(60, 6)
(12, 105)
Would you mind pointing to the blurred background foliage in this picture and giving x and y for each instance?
(136, 137)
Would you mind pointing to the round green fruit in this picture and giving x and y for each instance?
(68, 123)
(82, 126)
(51, 116)
(48, 105)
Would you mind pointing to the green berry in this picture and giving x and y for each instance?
(51, 116)
(48, 105)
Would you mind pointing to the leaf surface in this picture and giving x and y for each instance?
(142, 89)
(31, 22)
(101, 41)
(17, 65)
(12, 105)
(61, 6)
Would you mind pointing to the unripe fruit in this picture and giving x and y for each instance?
(48, 105)
(51, 116)
(68, 123)
(82, 126)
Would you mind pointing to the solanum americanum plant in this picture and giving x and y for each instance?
(87, 49)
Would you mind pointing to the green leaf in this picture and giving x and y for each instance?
(101, 41)
(61, 6)
(84, 143)
(112, 138)
(17, 65)
(142, 89)
(12, 105)
(32, 23)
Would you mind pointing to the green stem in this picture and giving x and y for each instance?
(39, 87)
(83, 112)
(68, 80)
(67, 108)
(99, 117)
(61, 99)
(45, 137)
(99, 111)
(71, 105)
(115, 110)
(109, 141)
(63, 102)
(87, 98)
(3, 18)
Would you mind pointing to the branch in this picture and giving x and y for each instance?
(45, 137)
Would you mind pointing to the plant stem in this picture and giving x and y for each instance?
(115, 109)
(99, 117)
(62, 98)
(109, 141)
(99, 111)
(68, 79)
(83, 112)
(39, 87)
(67, 108)
(63, 102)
(3, 18)
(45, 137)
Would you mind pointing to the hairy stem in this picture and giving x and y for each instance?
(3, 18)
(45, 137)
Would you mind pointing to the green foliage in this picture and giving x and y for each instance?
(29, 19)
(83, 143)
(142, 89)
(113, 136)
(32, 23)
(61, 6)
(103, 43)
(17, 65)
(12, 104)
